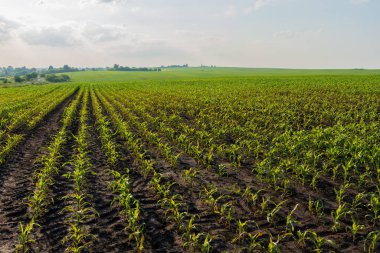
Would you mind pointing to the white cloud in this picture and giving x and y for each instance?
(285, 34)
(77, 34)
(112, 1)
(40, 2)
(148, 32)
(257, 5)
(62, 4)
(94, 32)
(359, 1)
(231, 11)
(6, 28)
(289, 34)
(61, 36)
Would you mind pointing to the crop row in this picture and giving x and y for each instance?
(335, 143)
(41, 197)
(27, 117)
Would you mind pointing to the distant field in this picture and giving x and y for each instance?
(195, 73)
(192, 160)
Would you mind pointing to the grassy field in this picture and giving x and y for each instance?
(192, 160)
(202, 73)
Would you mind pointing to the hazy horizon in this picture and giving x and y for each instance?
(292, 34)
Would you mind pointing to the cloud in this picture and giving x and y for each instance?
(51, 4)
(75, 34)
(103, 1)
(152, 52)
(112, 1)
(40, 2)
(231, 11)
(257, 5)
(61, 4)
(63, 36)
(6, 28)
(359, 1)
(288, 34)
(106, 33)
(285, 34)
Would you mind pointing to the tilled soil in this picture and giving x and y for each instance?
(161, 235)
(16, 176)
(109, 226)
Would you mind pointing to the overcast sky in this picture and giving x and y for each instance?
(250, 33)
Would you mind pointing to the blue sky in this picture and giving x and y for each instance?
(249, 33)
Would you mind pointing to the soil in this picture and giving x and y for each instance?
(16, 175)
(161, 235)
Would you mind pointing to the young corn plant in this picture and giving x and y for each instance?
(251, 197)
(358, 200)
(206, 245)
(371, 242)
(211, 200)
(78, 237)
(121, 186)
(316, 207)
(192, 241)
(189, 175)
(338, 214)
(11, 143)
(319, 242)
(241, 231)
(199, 242)
(254, 243)
(272, 213)
(374, 205)
(24, 239)
(291, 222)
(302, 237)
(355, 228)
(265, 201)
(226, 213)
(221, 170)
(274, 246)
(189, 228)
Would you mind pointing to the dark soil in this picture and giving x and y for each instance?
(16, 175)
(161, 235)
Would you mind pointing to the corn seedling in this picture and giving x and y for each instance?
(24, 239)
(272, 213)
(371, 241)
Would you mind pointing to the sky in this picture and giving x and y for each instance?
(240, 33)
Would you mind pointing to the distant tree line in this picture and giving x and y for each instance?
(28, 77)
(117, 67)
(11, 71)
(24, 74)
(24, 71)
(3, 79)
(64, 69)
(175, 66)
(57, 78)
(53, 78)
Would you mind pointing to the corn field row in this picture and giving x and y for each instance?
(232, 165)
